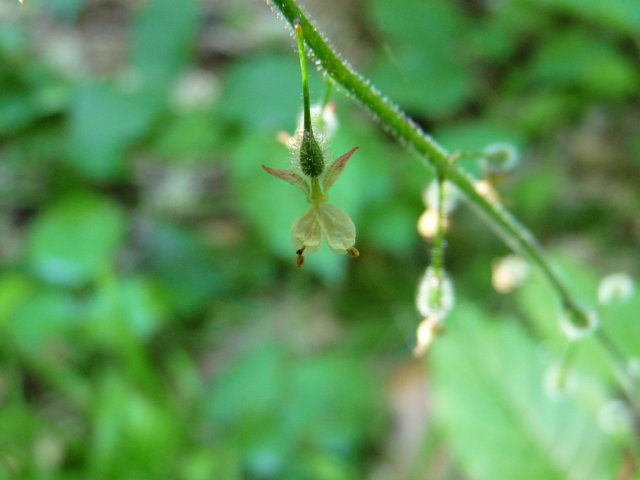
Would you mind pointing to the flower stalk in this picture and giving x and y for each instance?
(321, 221)
(432, 153)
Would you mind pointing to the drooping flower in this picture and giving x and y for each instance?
(321, 220)
(315, 179)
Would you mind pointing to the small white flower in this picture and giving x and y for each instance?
(435, 295)
(431, 194)
(324, 221)
(508, 273)
(425, 334)
(321, 220)
(500, 157)
(616, 287)
(578, 324)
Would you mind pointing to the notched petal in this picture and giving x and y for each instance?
(306, 232)
(335, 170)
(337, 228)
(289, 177)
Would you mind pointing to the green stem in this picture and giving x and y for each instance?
(327, 93)
(437, 256)
(437, 253)
(305, 76)
(513, 232)
(620, 363)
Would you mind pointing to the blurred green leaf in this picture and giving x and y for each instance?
(279, 407)
(576, 58)
(29, 92)
(190, 138)
(17, 110)
(546, 110)
(270, 205)
(15, 288)
(186, 272)
(619, 14)
(106, 120)
(49, 316)
(534, 199)
(367, 177)
(67, 10)
(125, 307)
(620, 321)
(137, 430)
(391, 226)
(222, 463)
(262, 93)
(424, 69)
(490, 401)
(162, 39)
(75, 239)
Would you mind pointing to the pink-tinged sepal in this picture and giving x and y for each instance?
(290, 177)
(335, 170)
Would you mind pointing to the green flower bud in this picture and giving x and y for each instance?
(311, 157)
(577, 324)
(500, 157)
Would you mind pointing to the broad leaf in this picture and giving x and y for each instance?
(490, 401)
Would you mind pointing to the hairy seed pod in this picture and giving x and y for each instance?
(311, 158)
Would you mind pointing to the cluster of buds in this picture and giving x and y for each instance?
(434, 301)
(435, 292)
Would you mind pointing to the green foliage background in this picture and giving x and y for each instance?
(152, 321)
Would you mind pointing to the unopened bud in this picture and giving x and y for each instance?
(500, 157)
(577, 324)
(435, 295)
(430, 197)
(425, 333)
(616, 287)
(311, 157)
(509, 273)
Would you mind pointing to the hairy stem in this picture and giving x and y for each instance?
(513, 232)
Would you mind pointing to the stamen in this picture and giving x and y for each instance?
(353, 252)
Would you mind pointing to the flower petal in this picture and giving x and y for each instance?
(337, 228)
(289, 177)
(335, 170)
(306, 232)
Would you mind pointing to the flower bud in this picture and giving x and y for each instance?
(614, 288)
(324, 121)
(430, 197)
(500, 157)
(435, 295)
(311, 157)
(425, 333)
(508, 273)
(577, 324)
